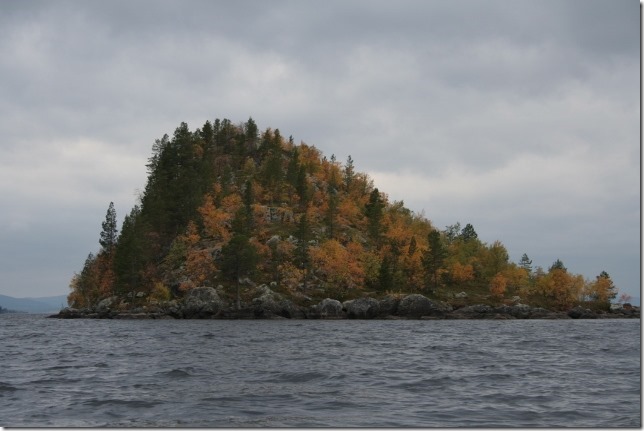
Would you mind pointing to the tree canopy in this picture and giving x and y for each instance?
(226, 202)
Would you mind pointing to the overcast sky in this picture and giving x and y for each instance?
(519, 117)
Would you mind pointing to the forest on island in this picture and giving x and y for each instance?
(227, 205)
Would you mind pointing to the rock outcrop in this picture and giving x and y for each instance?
(270, 304)
(362, 308)
(202, 303)
(415, 306)
(581, 313)
(70, 313)
(389, 306)
(328, 309)
(519, 311)
(207, 303)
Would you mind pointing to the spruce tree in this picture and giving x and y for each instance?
(468, 233)
(109, 233)
(434, 257)
(557, 264)
(386, 273)
(130, 251)
(526, 263)
(239, 259)
(373, 211)
(349, 173)
(293, 168)
(452, 232)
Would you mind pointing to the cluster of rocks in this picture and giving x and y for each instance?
(207, 303)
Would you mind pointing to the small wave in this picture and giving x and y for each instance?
(6, 387)
(118, 402)
(64, 367)
(422, 385)
(29, 336)
(56, 380)
(68, 367)
(337, 405)
(177, 373)
(297, 377)
(222, 399)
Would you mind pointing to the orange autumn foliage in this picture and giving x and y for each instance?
(259, 186)
(341, 265)
(461, 273)
(498, 284)
(217, 221)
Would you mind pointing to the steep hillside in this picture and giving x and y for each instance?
(226, 205)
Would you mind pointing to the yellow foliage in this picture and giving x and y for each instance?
(76, 299)
(341, 265)
(160, 292)
(348, 212)
(191, 236)
(516, 277)
(217, 221)
(199, 265)
(601, 290)
(371, 266)
(498, 285)
(561, 288)
(461, 273)
(397, 230)
(290, 275)
(413, 269)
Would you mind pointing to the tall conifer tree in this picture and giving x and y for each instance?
(109, 233)
(435, 256)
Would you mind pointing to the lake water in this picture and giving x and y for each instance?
(304, 373)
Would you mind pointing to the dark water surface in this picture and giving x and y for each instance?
(213, 373)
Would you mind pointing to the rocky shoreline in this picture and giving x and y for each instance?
(206, 303)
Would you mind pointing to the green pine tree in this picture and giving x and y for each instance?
(109, 234)
(239, 259)
(434, 257)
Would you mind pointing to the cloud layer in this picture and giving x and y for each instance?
(519, 117)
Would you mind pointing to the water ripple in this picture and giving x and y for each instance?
(93, 373)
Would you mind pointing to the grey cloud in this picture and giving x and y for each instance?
(421, 87)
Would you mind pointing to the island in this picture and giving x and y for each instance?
(237, 223)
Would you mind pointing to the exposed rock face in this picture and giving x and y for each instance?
(202, 302)
(70, 313)
(328, 309)
(519, 311)
(171, 308)
(625, 310)
(271, 304)
(415, 306)
(107, 303)
(276, 214)
(389, 306)
(206, 303)
(581, 313)
(478, 311)
(362, 308)
(542, 313)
